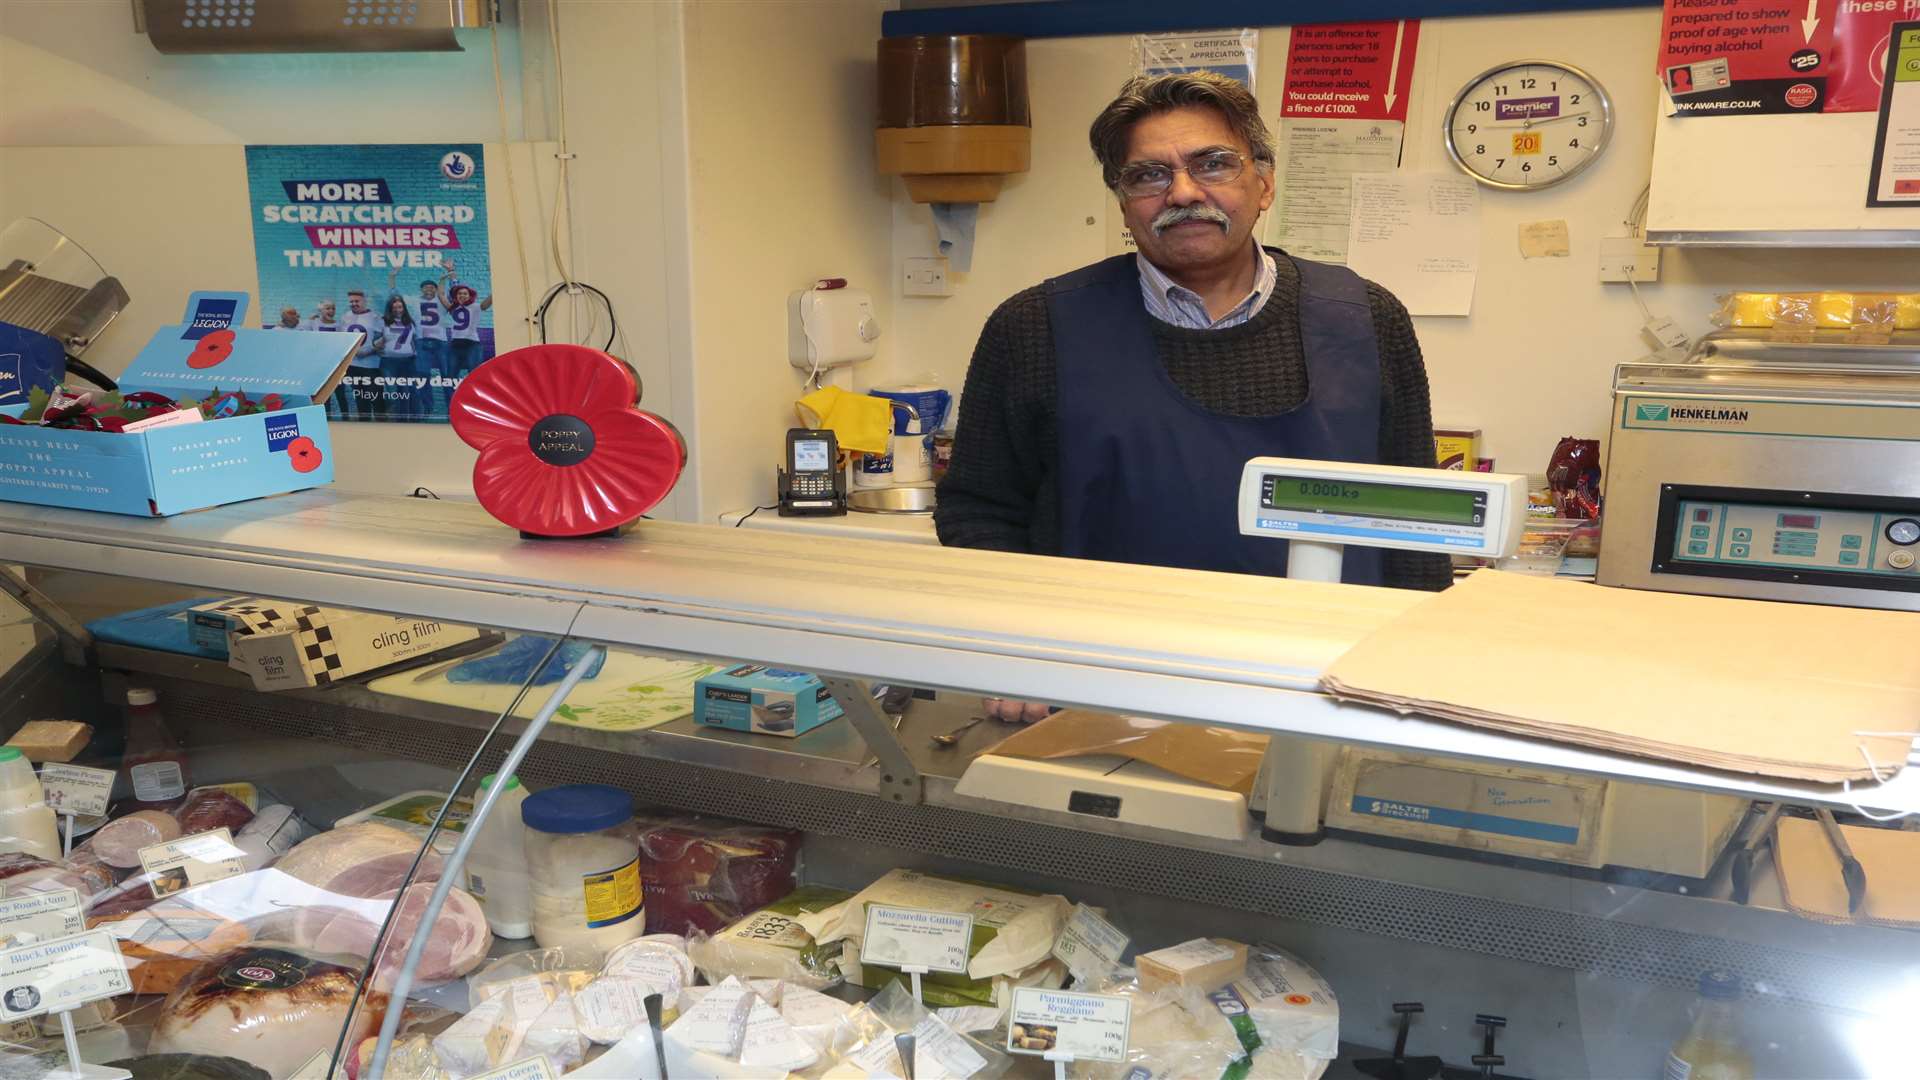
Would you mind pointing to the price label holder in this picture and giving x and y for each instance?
(58, 976)
(916, 941)
(191, 860)
(75, 791)
(1089, 945)
(1062, 1026)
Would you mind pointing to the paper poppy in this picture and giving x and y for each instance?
(563, 450)
(211, 350)
(304, 455)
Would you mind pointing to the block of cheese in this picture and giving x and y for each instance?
(1203, 964)
(554, 1034)
(771, 1045)
(718, 1023)
(477, 1041)
(51, 740)
(1291, 1006)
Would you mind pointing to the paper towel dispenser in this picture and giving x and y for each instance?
(954, 119)
(291, 26)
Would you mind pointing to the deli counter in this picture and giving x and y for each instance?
(273, 701)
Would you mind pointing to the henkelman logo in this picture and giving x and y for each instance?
(1688, 414)
(1655, 413)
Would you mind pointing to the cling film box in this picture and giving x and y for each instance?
(176, 468)
(285, 645)
(764, 700)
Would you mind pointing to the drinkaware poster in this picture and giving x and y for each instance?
(389, 241)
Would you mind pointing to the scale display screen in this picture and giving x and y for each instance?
(1308, 494)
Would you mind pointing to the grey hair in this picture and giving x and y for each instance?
(1145, 96)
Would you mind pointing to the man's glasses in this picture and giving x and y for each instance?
(1148, 178)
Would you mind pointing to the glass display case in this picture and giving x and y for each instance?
(741, 741)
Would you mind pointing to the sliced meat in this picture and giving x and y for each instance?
(363, 860)
(456, 944)
(119, 841)
(24, 873)
(208, 809)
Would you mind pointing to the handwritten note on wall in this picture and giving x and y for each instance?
(1417, 234)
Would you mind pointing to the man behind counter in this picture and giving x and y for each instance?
(1108, 412)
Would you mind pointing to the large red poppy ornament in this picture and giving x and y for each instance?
(563, 450)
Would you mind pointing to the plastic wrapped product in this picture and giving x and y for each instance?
(556, 969)
(411, 1057)
(119, 841)
(863, 1043)
(659, 960)
(208, 808)
(947, 990)
(1203, 964)
(365, 860)
(772, 944)
(456, 944)
(1291, 1006)
(23, 873)
(1172, 1036)
(702, 875)
(1012, 929)
(553, 1033)
(716, 1024)
(477, 1041)
(165, 943)
(812, 1015)
(272, 833)
(274, 1006)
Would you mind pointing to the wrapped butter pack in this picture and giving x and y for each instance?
(771, 943)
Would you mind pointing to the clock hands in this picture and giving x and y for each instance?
(1532, 123)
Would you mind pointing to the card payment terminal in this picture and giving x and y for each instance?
(812, 482)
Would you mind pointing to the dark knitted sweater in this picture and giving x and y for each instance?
(1002, 489)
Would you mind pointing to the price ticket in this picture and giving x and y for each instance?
(1066, 1026)
(910, 938)
(38, 916)
(76, 789)
(1089, 945)
(61, 974)
(191, 860)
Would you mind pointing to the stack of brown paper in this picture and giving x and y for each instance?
(1811, 884)
(1751, 686)
(1217, 757)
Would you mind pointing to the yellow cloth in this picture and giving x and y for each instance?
(858, 421)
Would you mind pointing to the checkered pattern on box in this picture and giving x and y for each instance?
(317, 645)
(256, 616)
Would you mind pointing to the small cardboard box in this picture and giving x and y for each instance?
(181, 467)
(769, 701)
(1457, 448)
(288, 645)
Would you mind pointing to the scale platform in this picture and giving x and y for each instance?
(1113, 787)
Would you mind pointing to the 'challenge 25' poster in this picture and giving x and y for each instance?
(387, 240)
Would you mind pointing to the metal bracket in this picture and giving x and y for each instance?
(76, 644)
(899, 780)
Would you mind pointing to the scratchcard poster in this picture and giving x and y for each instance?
(386, 241)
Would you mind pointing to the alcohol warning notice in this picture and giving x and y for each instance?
(1737, 57)
(1350, 71)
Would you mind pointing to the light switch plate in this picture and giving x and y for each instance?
(927, 277)
(1624, 256)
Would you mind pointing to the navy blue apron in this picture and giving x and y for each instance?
(1148, 476)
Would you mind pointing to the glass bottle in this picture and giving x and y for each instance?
(1711, 1049)
(155, 765)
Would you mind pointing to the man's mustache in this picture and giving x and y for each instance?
(1175, 215)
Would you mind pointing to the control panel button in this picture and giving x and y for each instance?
(1738, 551)
(1903, 530)
(1850, 542)
(1700, 532)
(1743, 535)
(1697, 547)
(1849, 558)
(1900, 559)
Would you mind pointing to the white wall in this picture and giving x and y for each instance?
(1535, 359)
(782, 190)
(137, 155)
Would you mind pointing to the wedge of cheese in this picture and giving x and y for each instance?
(1203, 965)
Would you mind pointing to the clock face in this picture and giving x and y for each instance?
(1527, 125)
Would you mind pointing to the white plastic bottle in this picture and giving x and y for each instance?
(26, 822)
(497, 865)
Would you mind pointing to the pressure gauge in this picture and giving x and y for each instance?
(1529, 124)
(1903, 531)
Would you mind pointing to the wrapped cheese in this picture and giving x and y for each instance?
(1203, 965)
(1291, 1006)
(771, 943)
(477, 1041)
(717, 1024)
(1012, 929)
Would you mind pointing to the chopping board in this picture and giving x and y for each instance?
(632, 692)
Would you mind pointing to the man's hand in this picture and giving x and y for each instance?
(1008, 710)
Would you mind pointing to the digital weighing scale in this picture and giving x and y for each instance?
(1320, 507)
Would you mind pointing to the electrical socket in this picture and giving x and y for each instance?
(1624, 258)
(927, 277)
